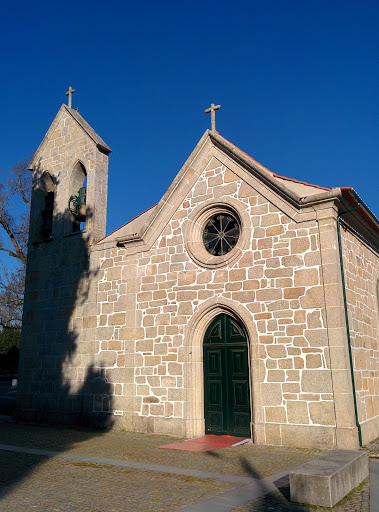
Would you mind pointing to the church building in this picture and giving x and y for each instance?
(243, 303)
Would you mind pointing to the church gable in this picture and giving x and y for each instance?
(286, 195)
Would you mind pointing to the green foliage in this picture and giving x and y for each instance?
(9, 350)
(9, 338)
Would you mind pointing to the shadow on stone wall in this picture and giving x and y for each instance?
(58, 381)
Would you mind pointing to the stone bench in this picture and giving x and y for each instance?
(324, 481)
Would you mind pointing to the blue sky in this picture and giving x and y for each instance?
(297, 82)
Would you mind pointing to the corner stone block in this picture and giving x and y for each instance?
(324, 481)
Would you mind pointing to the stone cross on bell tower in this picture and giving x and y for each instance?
(69, 93)
(212, 110)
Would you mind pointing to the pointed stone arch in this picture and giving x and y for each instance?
(77, 180)
(78, 169)
(193, 360)
(44, 197)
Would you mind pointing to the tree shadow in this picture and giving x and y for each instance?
(277, 500)
(59, 380)
(213, 454)
(268, 499)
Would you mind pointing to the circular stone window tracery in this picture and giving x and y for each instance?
(221, 233)
(217, 233)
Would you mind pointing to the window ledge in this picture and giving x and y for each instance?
(76, 233)
(42, 241)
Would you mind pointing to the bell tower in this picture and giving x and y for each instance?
(72, 164)
(67, 218)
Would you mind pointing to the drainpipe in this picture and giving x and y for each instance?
(347, 321)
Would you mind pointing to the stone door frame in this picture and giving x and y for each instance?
(194, 423)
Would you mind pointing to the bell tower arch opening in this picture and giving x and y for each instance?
(78, 198)
(44, 207)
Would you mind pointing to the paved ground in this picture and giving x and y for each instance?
(47, 469)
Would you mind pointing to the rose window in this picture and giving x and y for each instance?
(221, 233)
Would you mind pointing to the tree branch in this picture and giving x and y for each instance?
(13, 254)
(22, 191)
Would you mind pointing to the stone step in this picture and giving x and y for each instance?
(324, 481)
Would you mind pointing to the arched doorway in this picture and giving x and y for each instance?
(226, 378)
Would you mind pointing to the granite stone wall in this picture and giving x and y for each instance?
(361, 265)
(146, 303)
(57, 379)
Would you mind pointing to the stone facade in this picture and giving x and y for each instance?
(60, 296)
(361, 267)
(127, 351)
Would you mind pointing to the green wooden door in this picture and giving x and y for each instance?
(226, 379)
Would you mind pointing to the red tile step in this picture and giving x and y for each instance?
(206, 443)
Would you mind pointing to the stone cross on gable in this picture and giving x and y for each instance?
(212, 110)
(69, 93)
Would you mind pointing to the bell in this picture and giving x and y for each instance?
(81, 211)
(80, 215)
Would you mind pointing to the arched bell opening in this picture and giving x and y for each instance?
(227, 409)
(44, 198)
(78, 197)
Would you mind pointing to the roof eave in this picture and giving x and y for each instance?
(97, 140)
(267, 176)
(354, 199)
(100, 144)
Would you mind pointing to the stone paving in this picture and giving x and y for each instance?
(142, 447)
(123, 472)
(372, 448)
(357, 501)
(63, 485)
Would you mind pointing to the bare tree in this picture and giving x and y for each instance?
(11, 297)
(15, 193)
